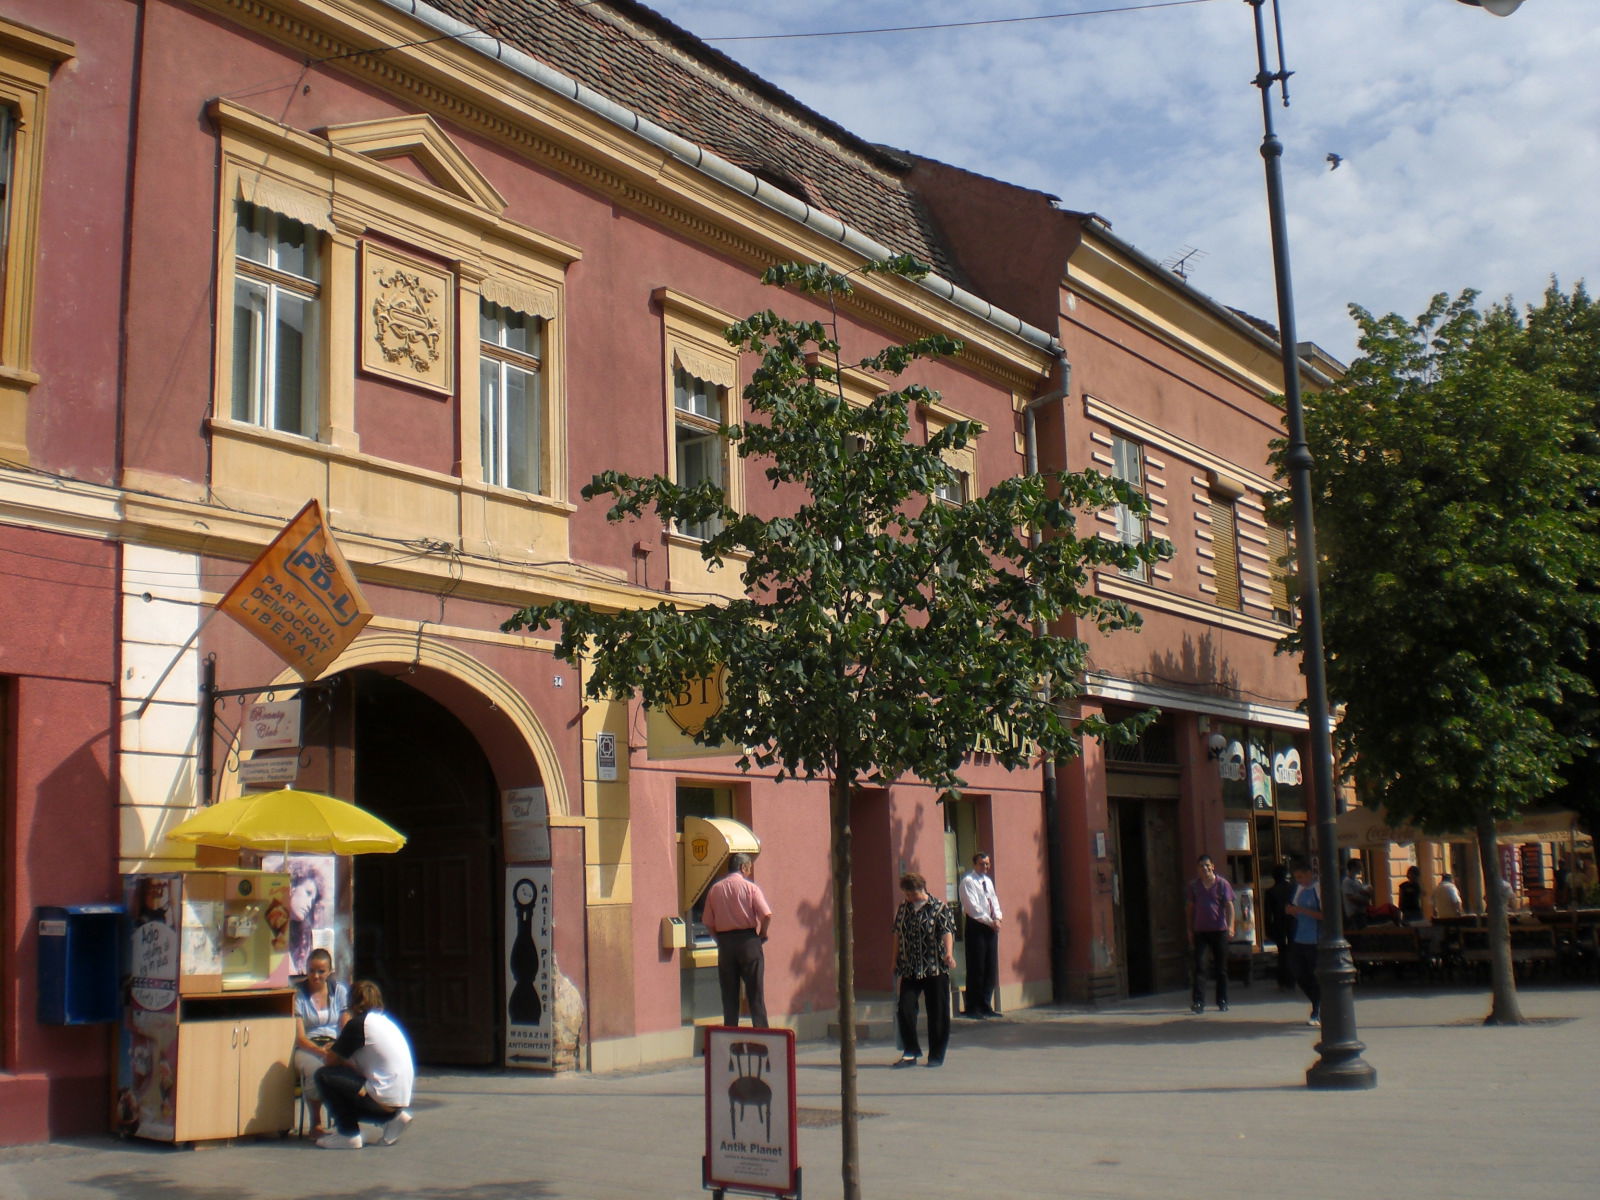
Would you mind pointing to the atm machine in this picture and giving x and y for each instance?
(707, 844)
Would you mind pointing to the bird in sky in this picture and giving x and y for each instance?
(1334, 160)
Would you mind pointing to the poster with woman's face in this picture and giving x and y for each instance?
(313, 906)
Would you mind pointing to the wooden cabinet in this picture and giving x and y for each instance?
(234, 1072)
(207, 1032)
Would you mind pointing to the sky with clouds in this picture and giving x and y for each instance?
(1470, 144)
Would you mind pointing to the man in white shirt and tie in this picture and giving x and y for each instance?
(981, 904)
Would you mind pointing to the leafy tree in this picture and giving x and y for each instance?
(1459, 548)
(1563, 338)
(884, 632)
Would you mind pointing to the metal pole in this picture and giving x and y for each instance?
(1340, 1064)
(1056, 884)
(205, 750)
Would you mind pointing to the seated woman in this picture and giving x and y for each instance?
(319, 1012)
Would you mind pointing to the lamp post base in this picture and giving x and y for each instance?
(1341, 1068)
(1340, 1065)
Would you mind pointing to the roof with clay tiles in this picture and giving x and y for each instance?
(642, 61)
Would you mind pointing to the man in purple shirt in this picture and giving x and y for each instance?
(1209, 911)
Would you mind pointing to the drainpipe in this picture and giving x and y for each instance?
(1055, 876)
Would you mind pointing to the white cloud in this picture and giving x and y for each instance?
(1471, 144)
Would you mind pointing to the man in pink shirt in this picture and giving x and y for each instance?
(738, 914)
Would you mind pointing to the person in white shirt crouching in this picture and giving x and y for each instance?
(369, 1073)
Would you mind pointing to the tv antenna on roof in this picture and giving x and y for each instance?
(1178, 263)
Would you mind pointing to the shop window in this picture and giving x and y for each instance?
(695, 800)
(1288, 776)
(510, 401)
(276, 321)
(1127, 459)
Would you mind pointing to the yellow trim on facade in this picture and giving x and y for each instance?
(559, 134)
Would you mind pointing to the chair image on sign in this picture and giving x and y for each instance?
(749, 1059)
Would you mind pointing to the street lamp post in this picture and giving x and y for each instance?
(1340, 1064)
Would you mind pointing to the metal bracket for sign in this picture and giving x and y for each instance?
(210, 693)
(719, 1190)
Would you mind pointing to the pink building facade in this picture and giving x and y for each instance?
(436, 288)
(1165, 388)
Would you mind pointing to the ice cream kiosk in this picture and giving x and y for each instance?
(208, 1026)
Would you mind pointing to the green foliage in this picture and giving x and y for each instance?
(1458, 544)
(883, 632)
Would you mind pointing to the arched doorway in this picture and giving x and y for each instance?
(427, 923)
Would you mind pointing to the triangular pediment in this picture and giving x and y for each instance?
(417, 147)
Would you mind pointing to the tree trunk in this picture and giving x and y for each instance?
(844, 941)
(1504, 1009)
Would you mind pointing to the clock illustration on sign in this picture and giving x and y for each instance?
(524, 1006)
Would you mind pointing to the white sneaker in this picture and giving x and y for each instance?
(395, 1126)
(340, 1141)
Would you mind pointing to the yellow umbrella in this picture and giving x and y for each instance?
(290, 820)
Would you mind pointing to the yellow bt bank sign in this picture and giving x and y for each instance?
(300, 598)
(671, 729)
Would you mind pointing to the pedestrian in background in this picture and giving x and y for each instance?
(1209, 915)
(1357, 896)
(1410, 898)
(924, 954)
(1305, 907)
(737, 913)
(981, 904)
(1446, 897)
(1279, 924)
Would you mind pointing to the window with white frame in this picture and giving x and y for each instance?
(699, 408)
(276, 321)
(512, 421)
(1127, 458)
(957, 487)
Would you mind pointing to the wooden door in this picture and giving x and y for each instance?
(266, 1080)
(1130, 899)
(427, 919)
(1164, 868)
(207, 1094)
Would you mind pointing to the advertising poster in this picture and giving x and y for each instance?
(147, 1069)
(751, 1121)
(530, 1016)
(316, 921)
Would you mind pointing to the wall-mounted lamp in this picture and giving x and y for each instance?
(1216, 745)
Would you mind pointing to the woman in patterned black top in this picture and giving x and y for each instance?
(924, 955)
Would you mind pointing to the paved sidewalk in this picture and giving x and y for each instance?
(1137, 1101)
